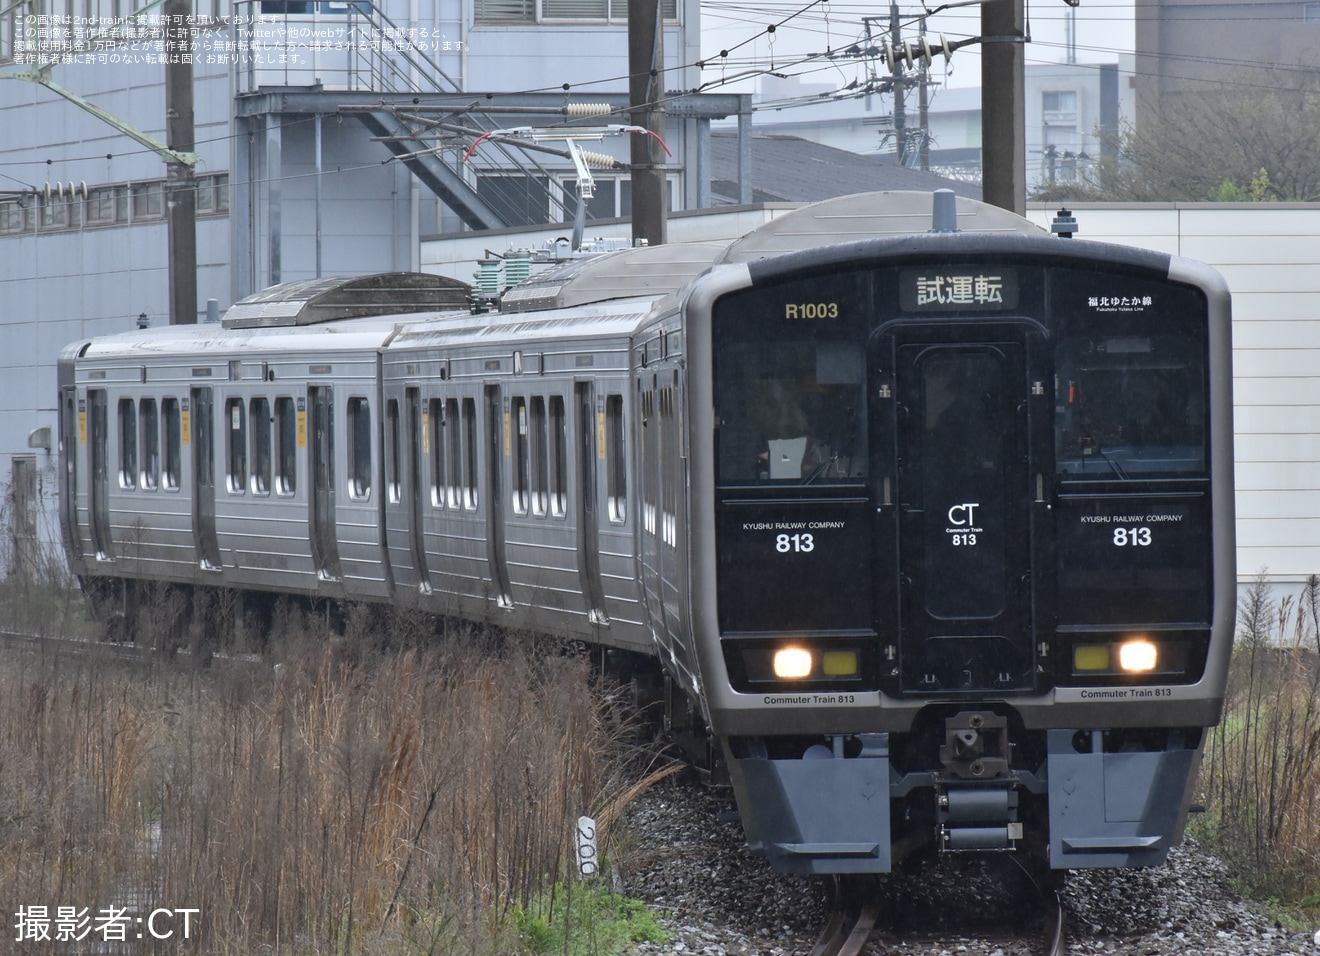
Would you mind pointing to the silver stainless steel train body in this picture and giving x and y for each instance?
(933, 531)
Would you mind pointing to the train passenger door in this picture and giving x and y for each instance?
(69, 448)
(98, 501)
(962, 513)
(415, 491)
(321, 510)
(590, 450)
(497, 451)
(203, 443)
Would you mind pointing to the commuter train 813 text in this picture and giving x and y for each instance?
(931, 531)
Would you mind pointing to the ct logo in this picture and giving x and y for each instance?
(964, 514)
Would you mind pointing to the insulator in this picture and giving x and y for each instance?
(945, 49)
(925, 50)
(585, 110)
(889, 53)
(598, 160)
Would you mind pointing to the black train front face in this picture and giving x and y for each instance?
(962, 547)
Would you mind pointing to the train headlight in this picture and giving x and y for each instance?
(793, 663)
(1172, 656)
(1137, 656)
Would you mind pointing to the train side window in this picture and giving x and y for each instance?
(435, 436)
(650, 438)
(149, 430)
(127, 444)
(359, 448)
(539, 469)
(173, 430)
(521, 454)
(286, 446)
(236, 465)
(470, 453)
(454, 454)
(558, 458)
(668, 457)
(393, 486)
(616, 460)
(259, 412)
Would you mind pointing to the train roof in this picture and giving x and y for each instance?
(332, 298)
(595, 320)
(868, 216)
(627, 273)
(601, 295)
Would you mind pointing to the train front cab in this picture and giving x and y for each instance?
(969, 575)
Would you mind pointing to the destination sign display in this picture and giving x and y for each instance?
(967, 288)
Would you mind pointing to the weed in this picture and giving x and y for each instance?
(406, 795)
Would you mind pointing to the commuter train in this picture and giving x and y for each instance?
(930, 529)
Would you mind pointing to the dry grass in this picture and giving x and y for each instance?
(1262, 767)
(388, 802)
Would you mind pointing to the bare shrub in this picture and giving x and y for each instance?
(1263, 763)
(407, 801)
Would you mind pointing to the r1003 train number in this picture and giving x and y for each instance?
(811, 310)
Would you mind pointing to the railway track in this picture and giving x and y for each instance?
(853, 926)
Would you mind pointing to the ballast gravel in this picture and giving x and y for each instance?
(680, 850)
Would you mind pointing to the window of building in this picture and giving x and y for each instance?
(525, 11)
(359, 448)
(106, 206)
(510, 11)
(173, 434)
(286, 446)
(519, 200)
(236, 460)
(1059, 101)
(58, 212)
(128, 447)
(1311, 12)
(150, 433)
(261, 450)
(148, 201)
(13, 216)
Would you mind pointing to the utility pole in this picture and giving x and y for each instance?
(923, 106)
(899, 86)
(180, 186)
(646, 89)
(1003, 123)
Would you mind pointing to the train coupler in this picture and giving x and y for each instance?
(977, 819)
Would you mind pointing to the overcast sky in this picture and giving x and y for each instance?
(1104, 29)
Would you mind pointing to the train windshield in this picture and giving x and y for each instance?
(791, 409)
(1130, 406)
